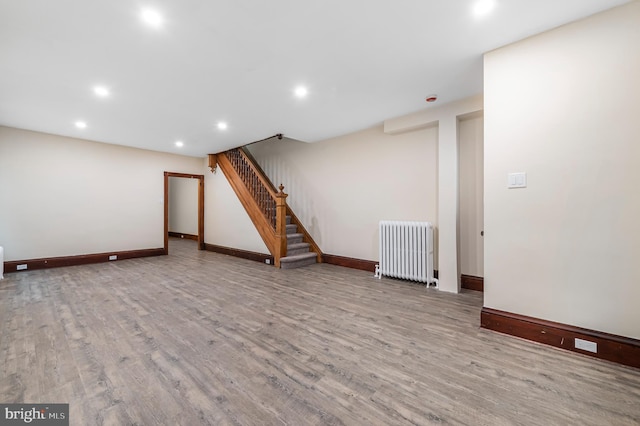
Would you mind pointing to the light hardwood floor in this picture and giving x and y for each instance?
(201, 338)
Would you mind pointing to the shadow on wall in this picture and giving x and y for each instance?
(314, 229)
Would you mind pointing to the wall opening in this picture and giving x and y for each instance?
(200, 207)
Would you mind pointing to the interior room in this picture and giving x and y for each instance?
(293, 213)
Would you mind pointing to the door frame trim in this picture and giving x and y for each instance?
(200, 178)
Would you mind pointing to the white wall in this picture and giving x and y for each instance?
(471, 160)
(563, 107)
(183, 205)
(63, 196)
(227, 223)
(342, 187)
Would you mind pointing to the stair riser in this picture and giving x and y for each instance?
(294, 240)
(292, 229)
(293, 252)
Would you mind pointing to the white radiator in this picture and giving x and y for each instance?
(406, 251)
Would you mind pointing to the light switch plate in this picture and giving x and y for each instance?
(517, 180)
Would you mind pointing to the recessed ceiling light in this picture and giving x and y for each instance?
(222, 125)
(101, 91)
(81, 125)
(152, 17)
(483, 7)
(301, 91)
(179, 144)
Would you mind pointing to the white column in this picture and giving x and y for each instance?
(448, 264)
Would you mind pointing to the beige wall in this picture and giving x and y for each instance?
(563, 107)
(183, 205)
(342, 187)
(471, 160)
(63, 196)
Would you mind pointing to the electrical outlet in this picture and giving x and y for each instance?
(586, 345)
(113, 257)
(21, 267)
(267, 261)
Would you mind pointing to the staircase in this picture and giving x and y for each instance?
(298, 252)
(282, 232)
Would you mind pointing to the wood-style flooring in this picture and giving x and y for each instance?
(202, 338)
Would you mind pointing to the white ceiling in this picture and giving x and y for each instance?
(239, 61)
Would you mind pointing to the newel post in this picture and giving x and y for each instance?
(281, 225)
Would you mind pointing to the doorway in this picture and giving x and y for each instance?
(471, 200)
(200, 207)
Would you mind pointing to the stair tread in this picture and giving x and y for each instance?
(297, 257)
(295, 235)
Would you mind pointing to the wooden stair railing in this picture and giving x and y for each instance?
(265, 205)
